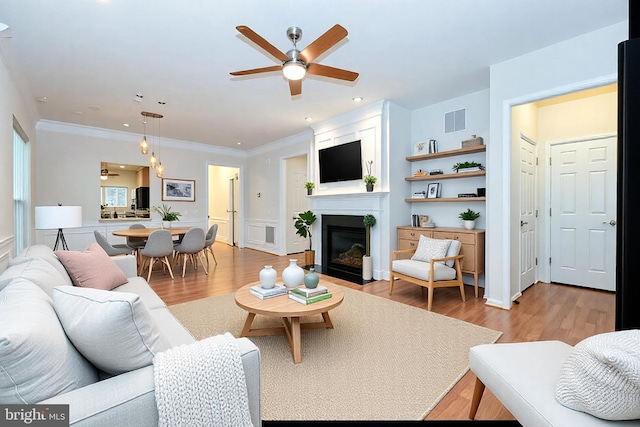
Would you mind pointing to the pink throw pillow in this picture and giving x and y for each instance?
(92, 268)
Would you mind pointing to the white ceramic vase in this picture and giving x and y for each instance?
(166, 224)
(367, 268)
(293, 275)
(268, 277)
(469, 224)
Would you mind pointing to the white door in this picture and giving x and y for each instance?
(297, 201)
(232, 210)
(583, 213)
(528, 194)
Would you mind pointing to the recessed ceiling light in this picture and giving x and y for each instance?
(308, 118)
(122, 166)
(239, 143)
(125, 125)
(43, 99)
(80, 113)
(358, 99)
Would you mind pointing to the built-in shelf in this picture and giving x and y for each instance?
(447, 176)
(447, 199)
(458, 152)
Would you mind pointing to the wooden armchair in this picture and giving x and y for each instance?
(433, 274)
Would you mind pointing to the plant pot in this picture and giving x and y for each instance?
(469, 224)
(309, 258)
(369, 188)
(367, 268)
(166, 224)
(309, 191)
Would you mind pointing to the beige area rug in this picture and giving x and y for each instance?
(382, 361)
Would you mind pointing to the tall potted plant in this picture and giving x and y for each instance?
(367, 263)
(168, 216)
(303, 228)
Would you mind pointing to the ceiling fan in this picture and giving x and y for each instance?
(296, 63)
(104, 172)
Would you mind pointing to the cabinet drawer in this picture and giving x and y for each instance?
(407, 244)
(469, 261)
(413, 234)
(462, 237)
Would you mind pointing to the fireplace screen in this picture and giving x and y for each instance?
(343, 242)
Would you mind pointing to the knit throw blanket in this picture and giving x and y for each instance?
(202, 384)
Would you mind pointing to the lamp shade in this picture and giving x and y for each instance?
(57, 217)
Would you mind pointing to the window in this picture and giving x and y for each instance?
(114, 196)
(21, 188)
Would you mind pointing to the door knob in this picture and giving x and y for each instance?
(523, 223)
(612, 222)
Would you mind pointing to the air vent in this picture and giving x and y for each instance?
(270, 235)
(455, 121)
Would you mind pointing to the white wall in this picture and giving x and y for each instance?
(584, 61)
(12, 104)
(428, 123)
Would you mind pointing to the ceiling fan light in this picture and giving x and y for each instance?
(104, 174)
(144, 146)
(294, 70)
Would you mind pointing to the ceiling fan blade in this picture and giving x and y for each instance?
(323, 43)
(257, 70)
(295, 86)
(334, 73)
(257, 39)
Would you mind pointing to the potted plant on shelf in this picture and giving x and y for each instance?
(367, 263)
(369, 179)
(309, 186)
(168, 216)
(303, 226)
(467, 167)
(469, 219)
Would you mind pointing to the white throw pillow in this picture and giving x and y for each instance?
(602, 376)
(430, 248)
(36, 270)
(113, 330)
(37, 361)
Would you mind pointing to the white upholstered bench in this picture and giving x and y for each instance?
(523, 376)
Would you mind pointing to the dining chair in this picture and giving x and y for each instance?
(209, 240)
(190, 248)
(111, 250)
(158, 247)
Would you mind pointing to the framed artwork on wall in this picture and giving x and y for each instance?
(178, 190)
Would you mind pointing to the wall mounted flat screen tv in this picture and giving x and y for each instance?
(340, 163)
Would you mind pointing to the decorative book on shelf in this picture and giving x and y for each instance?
(263, 293)
(309, 293)
(311, 300)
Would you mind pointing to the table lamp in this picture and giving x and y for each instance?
(52, 217)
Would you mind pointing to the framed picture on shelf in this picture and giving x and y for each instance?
(423, 220)
(421, 147)
(433, 190)
(179, 190)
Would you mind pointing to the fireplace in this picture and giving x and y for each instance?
(343, 245)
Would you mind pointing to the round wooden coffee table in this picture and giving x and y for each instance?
(289, 312)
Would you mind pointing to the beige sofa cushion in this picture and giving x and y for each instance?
(37, 361)
(113, 330)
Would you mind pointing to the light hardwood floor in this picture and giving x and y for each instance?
(546, 311)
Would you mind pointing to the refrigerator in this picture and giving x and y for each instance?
(628, 192)
(142, 198)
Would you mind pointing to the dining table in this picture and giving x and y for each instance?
(145, 232)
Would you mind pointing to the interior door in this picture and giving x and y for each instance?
(232, 210)
(528, 194)
(297, 201)
(583, 213)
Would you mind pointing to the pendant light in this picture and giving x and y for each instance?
(153, 160)
(159, 167)
(144, 145)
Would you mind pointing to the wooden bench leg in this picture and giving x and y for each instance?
(475, 401)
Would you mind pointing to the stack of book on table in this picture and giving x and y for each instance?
(263, 293)
(305, 295)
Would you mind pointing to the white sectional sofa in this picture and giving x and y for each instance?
(95, 398)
